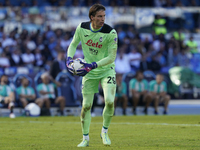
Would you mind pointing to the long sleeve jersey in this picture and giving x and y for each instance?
(98, 46)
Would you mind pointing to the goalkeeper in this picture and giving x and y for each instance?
(99, 44)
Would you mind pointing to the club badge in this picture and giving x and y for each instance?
(100, 39)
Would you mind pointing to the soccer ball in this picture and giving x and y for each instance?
(76, 65)
(32, 110)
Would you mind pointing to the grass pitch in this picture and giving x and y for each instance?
(126, 132)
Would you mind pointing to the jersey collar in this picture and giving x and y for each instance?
(96, 30)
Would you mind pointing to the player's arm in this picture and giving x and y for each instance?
(72, 48)
(75, 41)
(112, 50)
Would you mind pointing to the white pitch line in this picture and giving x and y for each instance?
(123, 123)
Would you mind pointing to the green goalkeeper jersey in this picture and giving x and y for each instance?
(98, 46)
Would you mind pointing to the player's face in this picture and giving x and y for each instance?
(159, 79)
(98, 19)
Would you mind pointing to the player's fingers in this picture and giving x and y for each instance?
(82, 63)
(81, 73)
(71, 71)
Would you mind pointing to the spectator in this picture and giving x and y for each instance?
(65, 41)
(139, 90)
(7, 95)
(154, 64)
(192, 45)
(30, 44)
(158, 91)
(58, 64)
(27, 94)
(4, 61)
(39, 59)
(47, 92)
(135, 58)
(122, 63)
(161, 59)
(121, 33)
(178, 35)
(28, 58)
(173, 57)
(121, 93)
(6, 41)
(16, 59)
(160, 25)
(183, 59)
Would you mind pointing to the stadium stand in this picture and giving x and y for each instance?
(44, 28)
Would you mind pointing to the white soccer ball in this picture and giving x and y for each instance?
(76, 65)
(32, 109)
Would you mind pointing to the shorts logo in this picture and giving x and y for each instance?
(90, 43)
(100, 39)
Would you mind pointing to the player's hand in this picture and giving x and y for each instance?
(68, 62)
(87, 68)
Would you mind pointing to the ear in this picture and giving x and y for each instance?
(92, 17)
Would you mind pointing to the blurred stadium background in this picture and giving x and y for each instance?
(159, 32)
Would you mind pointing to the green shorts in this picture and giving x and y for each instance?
(91, 86)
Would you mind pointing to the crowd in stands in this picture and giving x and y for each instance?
(149, 3)
(47, 48)
(152, 52)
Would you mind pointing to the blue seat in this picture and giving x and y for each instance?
(17, 79)
(126, 78)
(149, 75)
(17, 83)
(67, 88)
(37, 81)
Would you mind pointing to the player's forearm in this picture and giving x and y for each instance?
(109, 59)
(71, 50)
(73, 45)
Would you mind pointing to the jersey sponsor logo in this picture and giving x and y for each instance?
(90, 43)
(93, 51)
(86, 35)
(100, 39)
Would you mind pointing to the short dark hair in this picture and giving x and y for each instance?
(94, 8)
(138, 72)
(159, 74)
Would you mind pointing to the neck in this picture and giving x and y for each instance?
(94, 26)
(2, 83)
